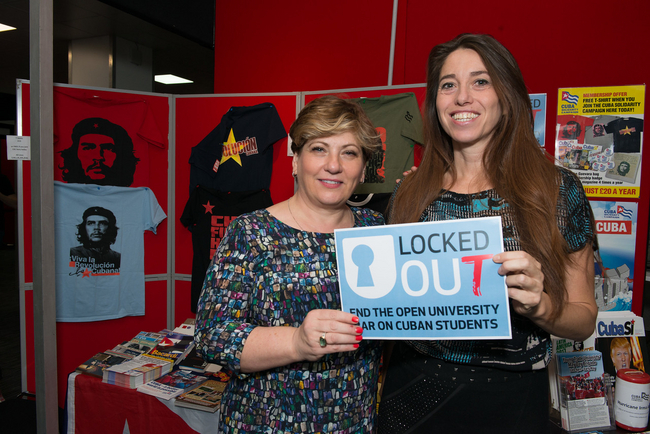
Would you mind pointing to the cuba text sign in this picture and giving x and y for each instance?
(431, 280)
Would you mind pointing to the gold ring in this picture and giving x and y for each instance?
(322, 341)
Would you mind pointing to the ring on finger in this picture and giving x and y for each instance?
(322, 340)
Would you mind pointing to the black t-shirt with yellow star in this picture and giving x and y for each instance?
(237, 155)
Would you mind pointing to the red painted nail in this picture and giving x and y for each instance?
(359, 330)
(355, 319)
(356, 345)
(359, 337)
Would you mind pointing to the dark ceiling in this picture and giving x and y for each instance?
(180, 37)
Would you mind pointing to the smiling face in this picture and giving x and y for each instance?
(467, 104)
(328, 170)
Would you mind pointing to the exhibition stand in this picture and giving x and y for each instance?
(181, 122)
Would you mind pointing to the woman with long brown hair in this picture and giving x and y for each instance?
(481, 159)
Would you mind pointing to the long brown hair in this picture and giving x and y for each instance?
(514, 163)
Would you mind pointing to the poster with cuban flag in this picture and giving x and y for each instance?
(616, 224)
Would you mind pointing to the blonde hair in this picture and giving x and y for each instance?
(330, 115)
(619, 343)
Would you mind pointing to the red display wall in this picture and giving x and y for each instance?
(297, 46)
(78, 341)
(583, 43)
(196, 116)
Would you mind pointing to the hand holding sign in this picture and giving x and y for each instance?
(340, 332)
(524, 279)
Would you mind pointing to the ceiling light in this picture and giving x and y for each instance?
(4, 28)
(171, 79)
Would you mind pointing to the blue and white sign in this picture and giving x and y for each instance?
(538, 102)
(431, 280)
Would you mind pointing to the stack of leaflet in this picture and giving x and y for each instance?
(137, 371)
(173, 384)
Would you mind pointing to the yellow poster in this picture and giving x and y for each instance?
(599, 136)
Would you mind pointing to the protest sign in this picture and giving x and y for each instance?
(430, 280)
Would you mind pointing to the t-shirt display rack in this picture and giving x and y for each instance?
(184, 121)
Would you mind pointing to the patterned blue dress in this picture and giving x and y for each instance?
(266, 273)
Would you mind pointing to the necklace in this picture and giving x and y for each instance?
(293, 216)
(298, 223)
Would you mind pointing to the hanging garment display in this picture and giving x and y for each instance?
(99, 239)
(207, 214)
(103, 140)
(397, 118)
(237, 155)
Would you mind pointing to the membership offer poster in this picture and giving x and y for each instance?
(599, 136)
(430, 280)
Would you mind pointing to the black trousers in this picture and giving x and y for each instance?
(426, 395)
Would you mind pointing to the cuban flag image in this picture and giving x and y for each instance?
(572, 99)
(624, 211)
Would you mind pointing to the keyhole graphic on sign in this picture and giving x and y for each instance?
(363, 257)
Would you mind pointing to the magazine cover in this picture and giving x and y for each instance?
(563, 345)
(95, 365)
(616, 225)
(173, 384)
(174, 347)
(122, 350)
(623, 352)
(194, 362)
(205, 397)
(145, 341)
(583, 390)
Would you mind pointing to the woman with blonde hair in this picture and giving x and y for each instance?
(300, 364)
